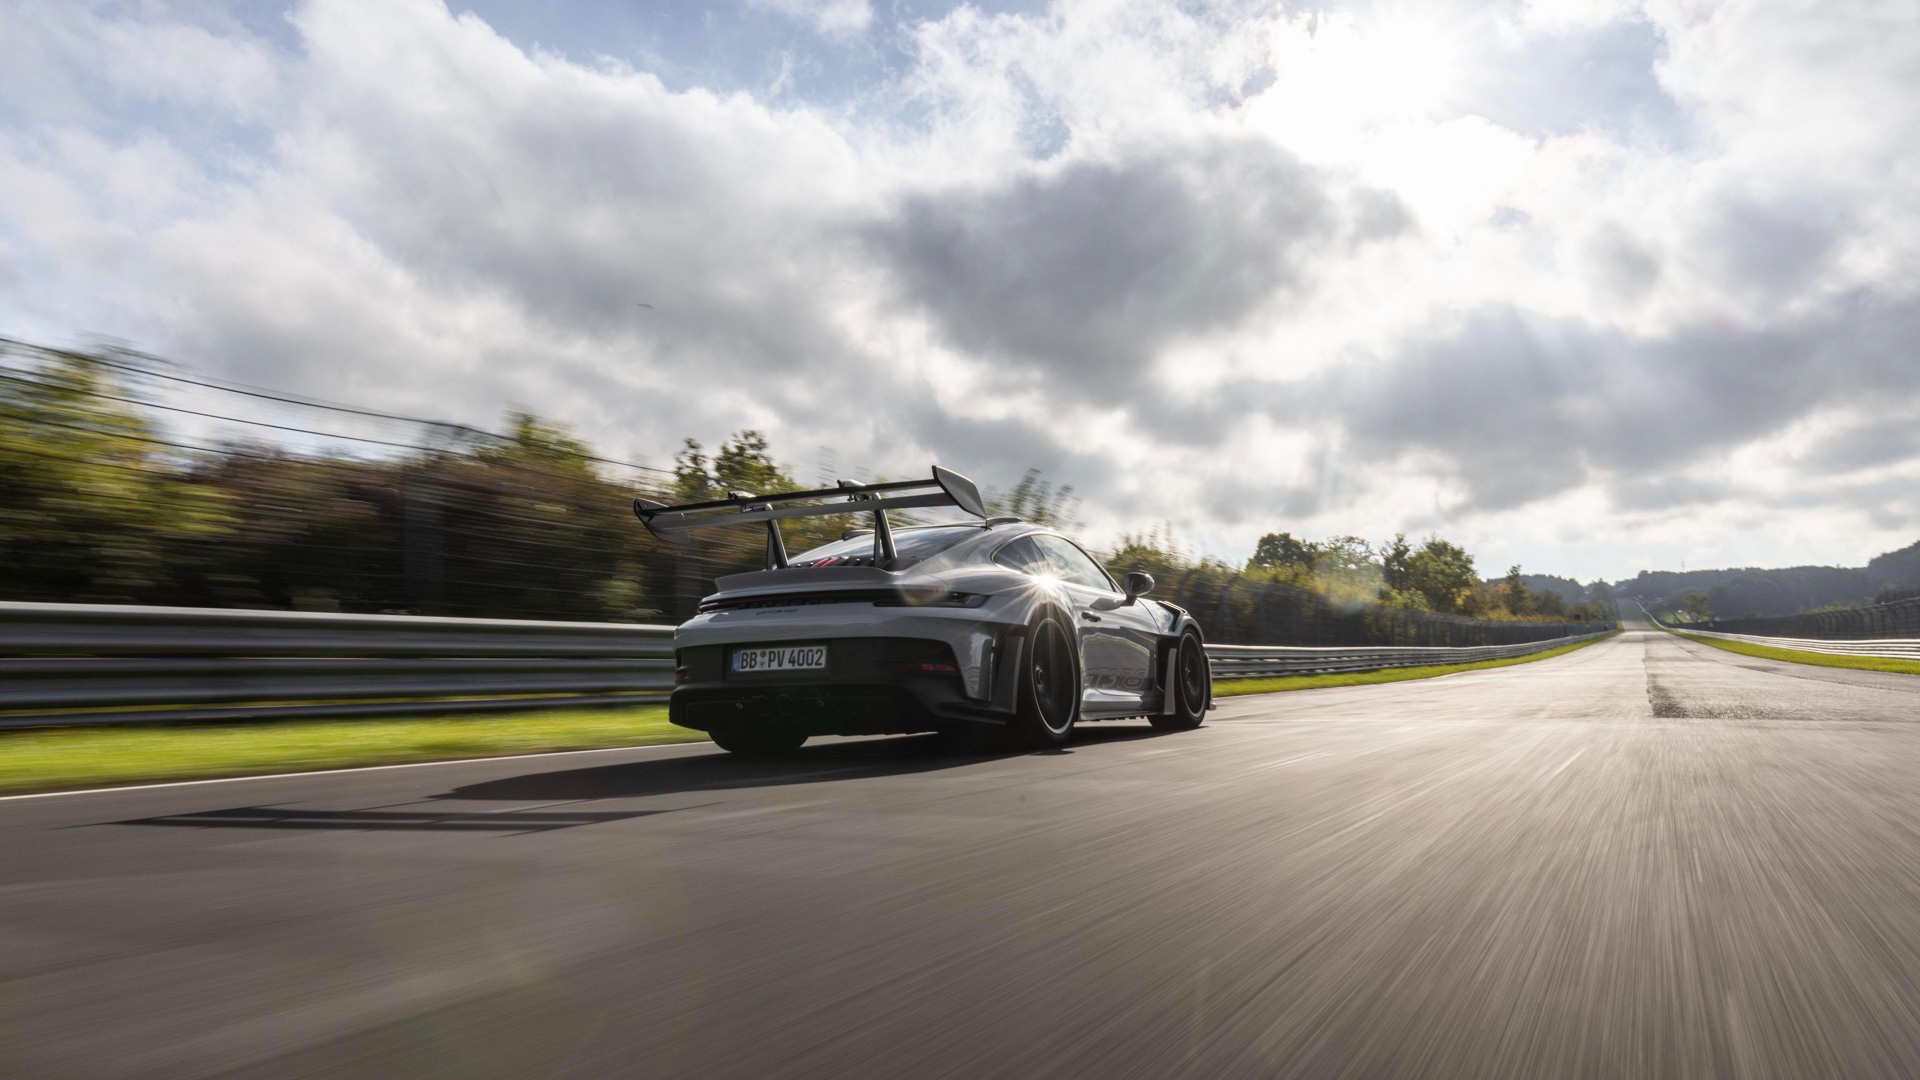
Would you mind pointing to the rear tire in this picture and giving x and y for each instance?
(758, 742)
(1192, 689)
(1049, 686)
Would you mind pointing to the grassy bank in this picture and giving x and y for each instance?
(1796, 656)
(50, 760)
(64, 758)
(1278, 683)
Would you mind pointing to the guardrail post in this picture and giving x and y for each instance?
(423, 548)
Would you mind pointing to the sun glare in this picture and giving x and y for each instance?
(1405, 64)
(1385, 65)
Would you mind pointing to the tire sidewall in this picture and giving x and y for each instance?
(1181, 714)
(1194, 712)
(1030, 728)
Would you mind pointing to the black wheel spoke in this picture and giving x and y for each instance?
(1052, 676)
(1049, 697)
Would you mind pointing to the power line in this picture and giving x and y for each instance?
(311, 403)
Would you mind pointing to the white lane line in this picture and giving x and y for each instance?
(1564, 764)
(329, 772)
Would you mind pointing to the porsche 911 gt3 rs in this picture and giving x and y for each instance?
(995, 626)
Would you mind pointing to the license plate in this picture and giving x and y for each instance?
(780, 658)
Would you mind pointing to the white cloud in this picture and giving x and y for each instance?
(1567, 281)
(839, 19)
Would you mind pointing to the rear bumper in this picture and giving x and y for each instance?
(873, 686)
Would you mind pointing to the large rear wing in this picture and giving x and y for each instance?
(948, 488)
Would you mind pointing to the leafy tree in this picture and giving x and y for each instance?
(1550, 605)
(691, 480)
(1275, 551)
(1035, 499)
(1345, 555)
(743, 463)
(1520, 601)
(541, 444)
(87, 503)
(1396, 566)
(1442, 572)
(1155, 552)
(1347, 570)
(1404, 598)
(1698, 606)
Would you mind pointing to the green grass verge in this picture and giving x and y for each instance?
(1276, 684)
(1768, 652)
(53, 759)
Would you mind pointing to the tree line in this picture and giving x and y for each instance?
(1437, 575)
(99, 502)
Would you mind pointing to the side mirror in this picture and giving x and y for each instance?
(1137, 585)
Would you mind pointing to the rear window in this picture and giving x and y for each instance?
(912, 545)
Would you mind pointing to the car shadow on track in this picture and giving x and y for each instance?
(277, 817)
(852, 759)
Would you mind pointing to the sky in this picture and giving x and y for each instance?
(1590, 287)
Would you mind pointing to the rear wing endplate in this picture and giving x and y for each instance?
(944, 488)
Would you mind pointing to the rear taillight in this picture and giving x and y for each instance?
(933, 598)
(679, 675)
(930, 666)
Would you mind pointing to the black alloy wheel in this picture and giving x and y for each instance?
(1050, 687)
(1192, 689)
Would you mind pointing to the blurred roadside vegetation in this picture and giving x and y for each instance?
(1436, 576)
(102, 502)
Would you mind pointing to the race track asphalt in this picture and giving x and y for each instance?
(1647, 858)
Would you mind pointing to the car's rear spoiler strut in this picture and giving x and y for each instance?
(673, 523)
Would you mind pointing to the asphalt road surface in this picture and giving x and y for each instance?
(1647, 858)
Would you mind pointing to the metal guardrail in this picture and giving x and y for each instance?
(97, 663)
(1890, 648)
(1252, 661)
(75, 664)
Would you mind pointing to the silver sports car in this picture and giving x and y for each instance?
(992, 627)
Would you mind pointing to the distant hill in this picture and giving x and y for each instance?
(1570, 590)
(1897, 569)
(1755, 591)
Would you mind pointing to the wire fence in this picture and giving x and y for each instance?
(1899, 619)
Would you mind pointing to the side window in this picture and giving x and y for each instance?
(1022, 555)
(1073, 564)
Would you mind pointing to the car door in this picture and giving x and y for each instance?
(1116, 659)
